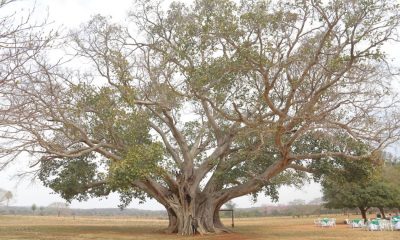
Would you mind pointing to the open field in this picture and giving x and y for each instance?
(82, 228)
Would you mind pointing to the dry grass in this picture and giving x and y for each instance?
(83, 228)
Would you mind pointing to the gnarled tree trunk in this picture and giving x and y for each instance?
(198, 214)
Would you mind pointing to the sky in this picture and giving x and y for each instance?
(70, 14)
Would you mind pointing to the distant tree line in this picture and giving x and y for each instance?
(306, 210)
(52, 211)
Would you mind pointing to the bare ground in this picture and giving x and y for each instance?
(106, 228)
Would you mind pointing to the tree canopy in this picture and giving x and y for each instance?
(208, 102)
(362, 185)
(361, 194)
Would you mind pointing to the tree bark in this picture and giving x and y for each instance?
(363, 213)
(197, 215)
(382, 212)
(173, 222)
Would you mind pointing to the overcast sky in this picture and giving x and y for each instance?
(71, 13)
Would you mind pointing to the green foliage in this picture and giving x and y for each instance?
(103, 114)
(360, 169)
(263, 89)
(106, 115)
(259, 154)
(33, 207)
(140, 162)
(72, 177)
(360, 184)
(376, 193)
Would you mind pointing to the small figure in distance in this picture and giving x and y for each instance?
(194, 224)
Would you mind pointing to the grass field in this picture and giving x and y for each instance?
(63, 228)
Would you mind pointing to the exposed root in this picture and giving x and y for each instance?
(221, 230)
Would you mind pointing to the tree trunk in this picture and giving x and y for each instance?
(382, 212)
(364, 213)
(173, 222)
(198, 215)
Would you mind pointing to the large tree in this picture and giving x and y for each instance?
(208, 102)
